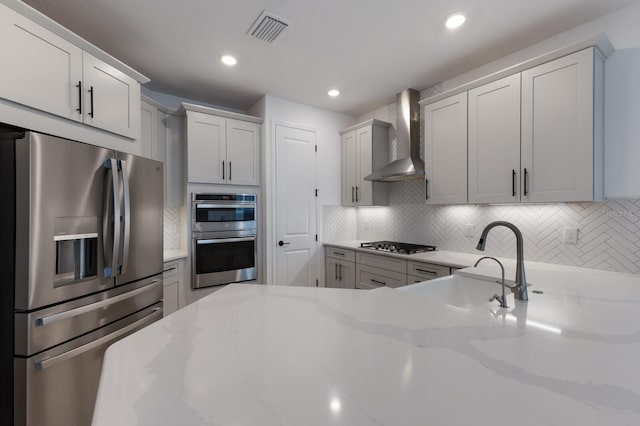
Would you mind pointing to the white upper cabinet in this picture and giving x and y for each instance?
(207, 148)
(349, 168)
(243, 152)
(533, 136)
(48, 73)
(110, 97)
(44, 71)
(562, 129)
(445, 153)
(160, 139)
(365, 148)
(222, 147)
(494, 142)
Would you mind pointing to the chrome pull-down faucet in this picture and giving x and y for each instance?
(520, 289)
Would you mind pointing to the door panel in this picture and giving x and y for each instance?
(206, 136)
(446, 150)
(116, 97)
(349, 169)
(242, 152)
(494, 141)
(146, 219)
(364, 194)
(59, 210)
(296, 206)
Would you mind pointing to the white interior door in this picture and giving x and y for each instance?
(295, 206)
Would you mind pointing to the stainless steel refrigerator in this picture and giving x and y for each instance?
(81, 261)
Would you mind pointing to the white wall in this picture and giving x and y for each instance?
(327, 125)
(621, 27)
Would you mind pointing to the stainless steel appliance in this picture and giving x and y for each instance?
(223, 231)
(81, 255)
(396, 247)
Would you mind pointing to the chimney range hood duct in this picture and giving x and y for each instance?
(408, 165)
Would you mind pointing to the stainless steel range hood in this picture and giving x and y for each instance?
(408, 164)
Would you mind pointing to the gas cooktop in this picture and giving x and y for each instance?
(395, 247)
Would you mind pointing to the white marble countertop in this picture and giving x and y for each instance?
(272, 355)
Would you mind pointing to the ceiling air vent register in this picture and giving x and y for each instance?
(268, 27)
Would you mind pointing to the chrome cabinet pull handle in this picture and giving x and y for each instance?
(229, 170)
(222, 170)
(525, 182)
(513, 183)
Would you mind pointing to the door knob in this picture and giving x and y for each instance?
(281, 243)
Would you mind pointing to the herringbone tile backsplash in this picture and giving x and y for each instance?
(608, 233)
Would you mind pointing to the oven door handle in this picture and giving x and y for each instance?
(224, 240)
(224, 206)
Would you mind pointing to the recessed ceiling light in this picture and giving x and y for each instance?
(228, 60)
(333, 93)
(454, 21)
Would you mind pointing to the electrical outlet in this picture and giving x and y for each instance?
(469, 230)
(570, 235)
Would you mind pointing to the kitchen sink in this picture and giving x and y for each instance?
(459, 290)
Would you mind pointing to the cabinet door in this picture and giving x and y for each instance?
(174, 166)
(557, 129)
(170, 295)
(364, 154)
(332, 273)
(147, 129)
(243, 140)
(494, 141)
(40, 69)
(349, 170)
(368, 277)
(446, 150)
(111, 98)
(206, 152)
(347, 274)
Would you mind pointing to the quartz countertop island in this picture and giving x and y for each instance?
(276, 355)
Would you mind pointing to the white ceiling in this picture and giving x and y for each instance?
(369, 49)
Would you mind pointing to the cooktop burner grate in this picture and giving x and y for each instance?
(396, 247)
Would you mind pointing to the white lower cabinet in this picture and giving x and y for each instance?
(369, 277)
(423, 271)
(173, 281)
(346, 268)
(375, 270)
(340, 269)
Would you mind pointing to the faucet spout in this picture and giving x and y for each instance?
(520, 290)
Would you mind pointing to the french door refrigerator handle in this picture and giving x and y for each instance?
(41, 365)
(111, 270)
(127, 217)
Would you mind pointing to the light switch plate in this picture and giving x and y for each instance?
(469, 230)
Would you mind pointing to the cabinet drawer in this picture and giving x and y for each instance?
(171, 269)
(427, 271)
(342, 254)
(368, 277)
(381, 261)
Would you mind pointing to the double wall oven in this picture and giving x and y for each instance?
(223, 230)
